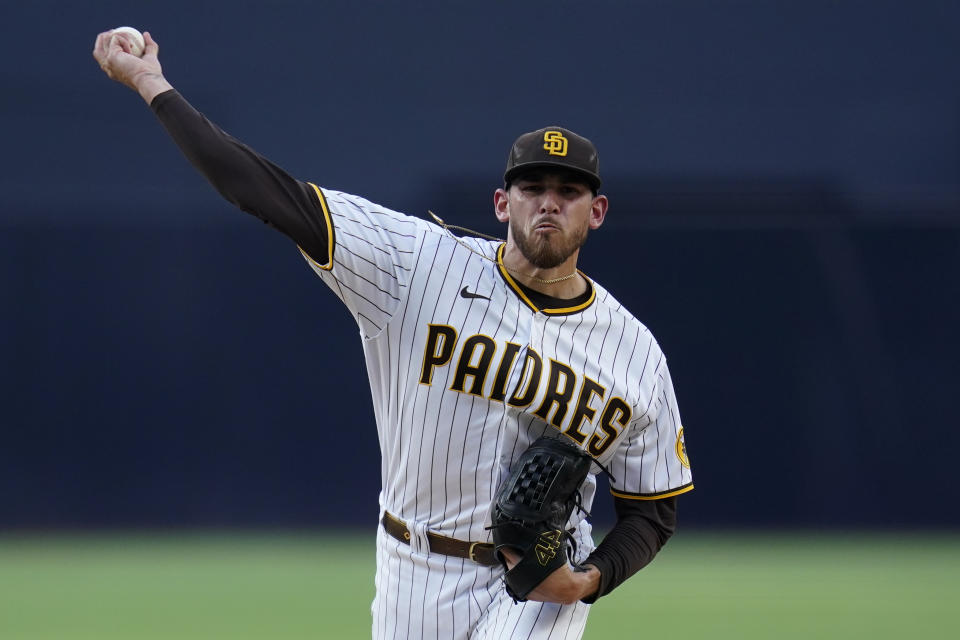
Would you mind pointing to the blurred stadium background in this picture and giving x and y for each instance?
(785, 187)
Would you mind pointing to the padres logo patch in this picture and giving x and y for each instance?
(547, 546)
(682, 450)
(555, 143)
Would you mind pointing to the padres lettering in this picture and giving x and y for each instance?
(568, 397)
(554, 143)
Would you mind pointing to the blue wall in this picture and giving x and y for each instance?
(785, 187)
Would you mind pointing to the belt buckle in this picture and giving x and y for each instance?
(473, 546)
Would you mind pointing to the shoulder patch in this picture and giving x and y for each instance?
(682, 450)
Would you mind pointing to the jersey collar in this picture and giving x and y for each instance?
(553, 311)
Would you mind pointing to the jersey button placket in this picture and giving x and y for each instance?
(538, 322)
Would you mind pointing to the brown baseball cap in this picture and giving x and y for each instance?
(554, 147)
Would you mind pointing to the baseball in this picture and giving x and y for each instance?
(134, 37)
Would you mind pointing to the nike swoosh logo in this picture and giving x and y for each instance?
(466, 294)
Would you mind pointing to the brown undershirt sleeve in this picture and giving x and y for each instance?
(244, 177)
(641, 530)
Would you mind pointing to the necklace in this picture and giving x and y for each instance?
(541, 280)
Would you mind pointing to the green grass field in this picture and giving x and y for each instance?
(320, 586)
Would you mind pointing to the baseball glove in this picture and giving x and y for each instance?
(532, 508)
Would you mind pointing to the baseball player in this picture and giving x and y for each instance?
(474, 349)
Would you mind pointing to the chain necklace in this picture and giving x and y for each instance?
(541, 280)
(448, 227)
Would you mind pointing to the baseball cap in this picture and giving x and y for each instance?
(554, 147)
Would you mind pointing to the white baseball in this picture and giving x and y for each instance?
(134, 37)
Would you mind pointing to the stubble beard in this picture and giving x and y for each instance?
(546, 252)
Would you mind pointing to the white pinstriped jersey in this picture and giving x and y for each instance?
(465, 371)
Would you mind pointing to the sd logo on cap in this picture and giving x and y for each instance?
(554, 147)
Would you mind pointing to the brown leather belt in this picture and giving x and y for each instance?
(479, 552)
